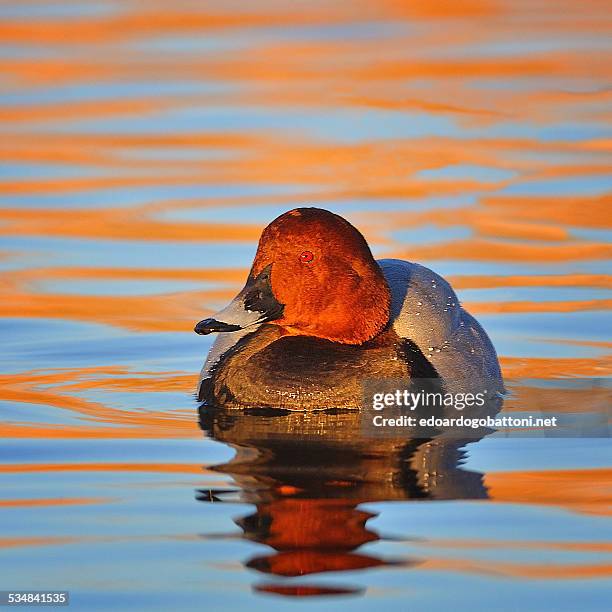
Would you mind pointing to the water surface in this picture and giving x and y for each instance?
(145, 145)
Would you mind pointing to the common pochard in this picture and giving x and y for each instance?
(319, 315)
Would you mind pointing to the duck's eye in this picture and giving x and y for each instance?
(306, 256)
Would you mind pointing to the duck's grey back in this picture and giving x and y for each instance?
(425, 309)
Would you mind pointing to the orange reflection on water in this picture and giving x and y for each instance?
(169, 468)
(57, 389)
(467, 135)
(59, 501)
(540, 367)
(48, 541)
(525, 571)
(587, 491)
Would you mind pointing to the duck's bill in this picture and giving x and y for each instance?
(254, 305)
(232, 318)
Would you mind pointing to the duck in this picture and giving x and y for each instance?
(318, 317)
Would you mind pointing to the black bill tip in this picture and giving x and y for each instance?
(208, 326)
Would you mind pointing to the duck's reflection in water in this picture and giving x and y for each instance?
(307, 473)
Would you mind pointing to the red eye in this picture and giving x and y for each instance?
(306, 257)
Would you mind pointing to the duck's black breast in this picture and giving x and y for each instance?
(271, 370)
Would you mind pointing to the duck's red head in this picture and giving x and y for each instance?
(314, 275)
